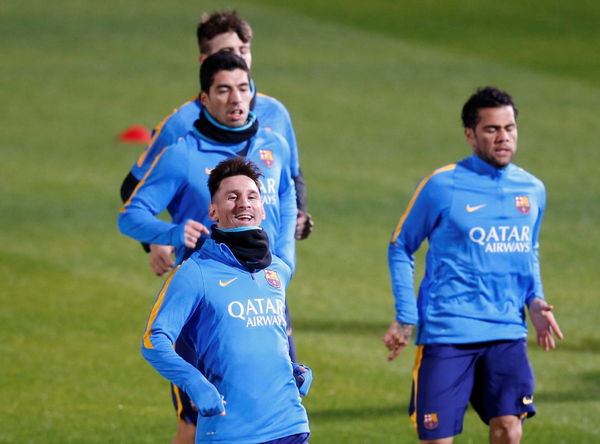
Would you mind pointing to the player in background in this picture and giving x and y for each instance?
(219, 31)
(482, 218)
(177, 180)
(228, 299)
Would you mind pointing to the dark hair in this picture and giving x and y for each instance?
(487, 97)
(221, 22)
(234, 166)
(220, 61)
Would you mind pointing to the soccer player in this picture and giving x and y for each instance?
(220, 31)
(177, 180)
(228, 299)
(482, 219)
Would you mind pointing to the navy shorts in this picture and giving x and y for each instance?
(495, 377)
(300, 438)
(182, 403)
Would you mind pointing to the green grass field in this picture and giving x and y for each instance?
(375, 92)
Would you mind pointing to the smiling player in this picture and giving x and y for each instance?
(227, 301)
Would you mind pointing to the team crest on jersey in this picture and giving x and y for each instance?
(273, 278)
(266, 156)
(430, 421)
(522, 204)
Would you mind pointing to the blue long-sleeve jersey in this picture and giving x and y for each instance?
(177, 181)
(482, 266)
(235, 320)
(270, 112)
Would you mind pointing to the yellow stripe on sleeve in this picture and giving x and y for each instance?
(415, 375)
(414, 198)
(156, 308)
(141, 182)
(157, 129)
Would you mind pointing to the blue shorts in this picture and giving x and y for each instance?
(495, 377)
(182, 403)
(300, 438)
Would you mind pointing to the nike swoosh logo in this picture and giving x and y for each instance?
(226, 283)
(470, 209)
(527, 400)
(207, 171)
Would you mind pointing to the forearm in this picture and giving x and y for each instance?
(300, 188)
(145, 227)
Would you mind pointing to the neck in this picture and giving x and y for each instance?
(209, 127)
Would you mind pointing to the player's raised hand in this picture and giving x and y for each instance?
(397, 337)
(545, 325)
(192, 232)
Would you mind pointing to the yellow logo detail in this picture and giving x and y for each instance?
(226, 283)
(471, 209)
(207, 171)
(527, 400)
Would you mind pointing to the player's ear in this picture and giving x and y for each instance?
(470, 136)
(212, 212)
(203, 98)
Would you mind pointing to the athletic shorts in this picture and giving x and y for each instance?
(300, 438)
(495, 377)
(182, 403)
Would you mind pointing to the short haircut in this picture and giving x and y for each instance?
(234, 166)
(220, 61)
(221, 22)
(486, 97)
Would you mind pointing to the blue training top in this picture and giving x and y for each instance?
(482, 266)
(235, 319)
(177, 181)
(270, 113)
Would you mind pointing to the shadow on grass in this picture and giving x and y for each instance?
(345, 414)
(588, 389)
(340, 326)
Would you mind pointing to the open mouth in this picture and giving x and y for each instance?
(244, 217)
(236, 114)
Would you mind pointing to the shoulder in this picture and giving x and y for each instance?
(284, 273)
(271, 111)
(181, 117)
(440, 177)
(525, 175)
(272, 139)
(267, 101)
(187, 276)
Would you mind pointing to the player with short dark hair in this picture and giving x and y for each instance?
(236, 166)
(219, 31)
(482, 217)
(228, 301)
(177, 180)
(223, 22)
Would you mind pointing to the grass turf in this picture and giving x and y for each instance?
(375, 92)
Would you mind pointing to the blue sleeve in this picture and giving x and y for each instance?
(415, 225)
(153, 194)
(285, 245)
(179, 298)
(290, 136)
(537, 290)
